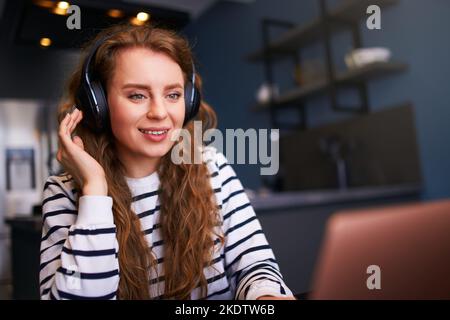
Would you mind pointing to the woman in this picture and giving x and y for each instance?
(124, 221)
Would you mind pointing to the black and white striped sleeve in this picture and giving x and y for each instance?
(78, 257)
(249, 260)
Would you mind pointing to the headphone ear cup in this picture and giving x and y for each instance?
(192, 102)
(101, 111)
(196, 102)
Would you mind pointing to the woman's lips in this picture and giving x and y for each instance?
(154, 135)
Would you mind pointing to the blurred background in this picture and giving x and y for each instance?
(361, 100)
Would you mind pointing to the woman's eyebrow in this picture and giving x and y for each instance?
(148, 88)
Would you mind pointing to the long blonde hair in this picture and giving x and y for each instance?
(189, 213)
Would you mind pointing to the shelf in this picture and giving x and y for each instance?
(352, 76)
(349, 11)
(301, 199)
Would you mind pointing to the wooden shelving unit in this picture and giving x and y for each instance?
(347, 16)
(304, 92)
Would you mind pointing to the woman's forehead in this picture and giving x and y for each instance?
(143, 64)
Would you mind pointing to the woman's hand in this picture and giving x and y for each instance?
(86, 171)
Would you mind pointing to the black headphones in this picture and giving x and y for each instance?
(91, 95)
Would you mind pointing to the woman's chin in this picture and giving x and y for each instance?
(156, 151)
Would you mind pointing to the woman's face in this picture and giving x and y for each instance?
(146, 101)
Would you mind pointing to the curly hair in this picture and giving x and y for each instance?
(189, 213)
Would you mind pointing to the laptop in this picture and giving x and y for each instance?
(395, 252)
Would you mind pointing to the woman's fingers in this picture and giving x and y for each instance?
(70, 125)
(77, 116)
(67, 126)
(63, 129)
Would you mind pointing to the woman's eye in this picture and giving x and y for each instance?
(174, 96)
(136, 96)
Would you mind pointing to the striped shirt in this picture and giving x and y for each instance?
(79, 249)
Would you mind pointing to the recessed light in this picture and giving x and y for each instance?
(134, 21)
(45, 42)
(143, 16)
(44, 3)
(63, 5)
(115, 13)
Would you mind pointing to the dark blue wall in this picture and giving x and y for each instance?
(415, 30)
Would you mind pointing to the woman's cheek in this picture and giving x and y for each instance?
(179, 115)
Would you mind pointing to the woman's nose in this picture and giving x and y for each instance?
(157, 109)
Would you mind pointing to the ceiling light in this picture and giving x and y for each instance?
(115, 13)
(143, 16)
(63, 5)
(44, 3)
(45, 42)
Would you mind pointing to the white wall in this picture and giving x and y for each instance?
(21, 131)
(20, 124)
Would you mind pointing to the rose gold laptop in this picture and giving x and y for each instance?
(396, 252)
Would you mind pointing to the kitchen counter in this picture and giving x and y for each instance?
(299, 199)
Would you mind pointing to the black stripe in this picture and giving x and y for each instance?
(260, 278)
(259, 265)
(66, 295)
(58, 212)
(263, 266)
(214, 261)
(214, 174)
(45, 291)
(53, 229)
(223, 165)
(156, 280)
(89, 276)
(158, 243)
(231, 247)
(251, 279)
(67, 180)
(56, 197)
(228, 180)
(148, 212)
(146, 195)
(239, 225)
(149, 231)
(90, 253)
(92, 232)
(42, 265)
(216, 277)
(49, 183)
(55, 244)
(46, 279)
(229, 214)
(216, 190)
(52, 296)
(250, 250)
(232, 195)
